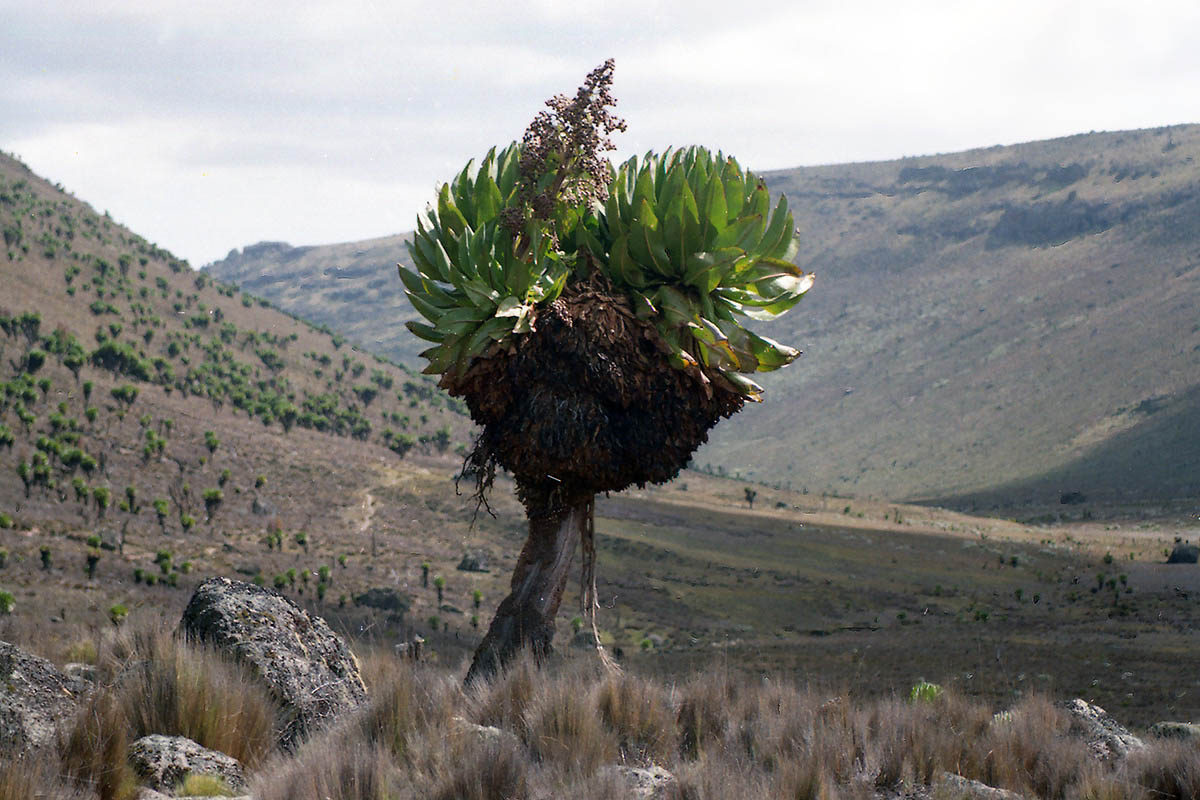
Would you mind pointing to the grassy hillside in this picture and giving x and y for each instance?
(188, 427)
(997, 326)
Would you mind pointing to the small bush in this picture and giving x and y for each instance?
(195, 785)
(924, 692)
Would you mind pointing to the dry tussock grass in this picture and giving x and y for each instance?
(95, 749)
(347, 769)
(178, 688)
(21, 779)
(638, 713)
(722, 736)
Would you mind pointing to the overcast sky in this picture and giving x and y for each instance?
(206, 126)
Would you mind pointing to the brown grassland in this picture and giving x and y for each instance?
(556, 731)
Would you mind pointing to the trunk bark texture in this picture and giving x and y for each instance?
(526, 617)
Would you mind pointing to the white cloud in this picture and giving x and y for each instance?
(212, 125)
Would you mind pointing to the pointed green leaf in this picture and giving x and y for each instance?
(771, 354)
(675, 307)
(622, 265)
(740, 230)
(715, 210)
(749, 388)
(481, 295)
(510, 307)
(426, 332)
(425, 308)
(451, 218)
(735, 188)
(462, 188)
(781, 226)
(412, 282)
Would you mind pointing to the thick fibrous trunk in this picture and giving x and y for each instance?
(525, 619)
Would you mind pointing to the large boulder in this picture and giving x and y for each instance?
(35, 699)
(162, 762)
(307, 667)
(477, 561)
(1184, 554)
(384, 599)
(1106, 739)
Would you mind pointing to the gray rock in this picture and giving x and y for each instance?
(653, 783)
(1184, 554)
(1187, 731)
(150, 794)
(384, 599)
(81, 676)
(35, 699)
(474, 562)
(109, 539)
(487, 734)
(306, 666)
(262, 508)
(960, 788)
(1106, 739)
(162, 762)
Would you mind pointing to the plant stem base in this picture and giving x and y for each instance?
(525, 618)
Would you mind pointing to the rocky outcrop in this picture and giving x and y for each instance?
(35, 699)
(1106, 739)
(474, 562)
(307, 667)
(1184, 554)
(384, 599)
(1185, 731)
(162, 762)
(640, 783)
(951, 785)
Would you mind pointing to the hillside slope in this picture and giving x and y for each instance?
(158, 427)
(1003, 324)
(189, 427)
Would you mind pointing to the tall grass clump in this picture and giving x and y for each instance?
(171, 686)
(1167, 770)
(95, 749)
(702, 711)
(24, 778)
(637, 712)
(563, 728)
(409, 706)
(482, 768)
(329, 767)
(502, 700)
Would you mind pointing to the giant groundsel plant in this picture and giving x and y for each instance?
(592, 318)
(689, 236)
